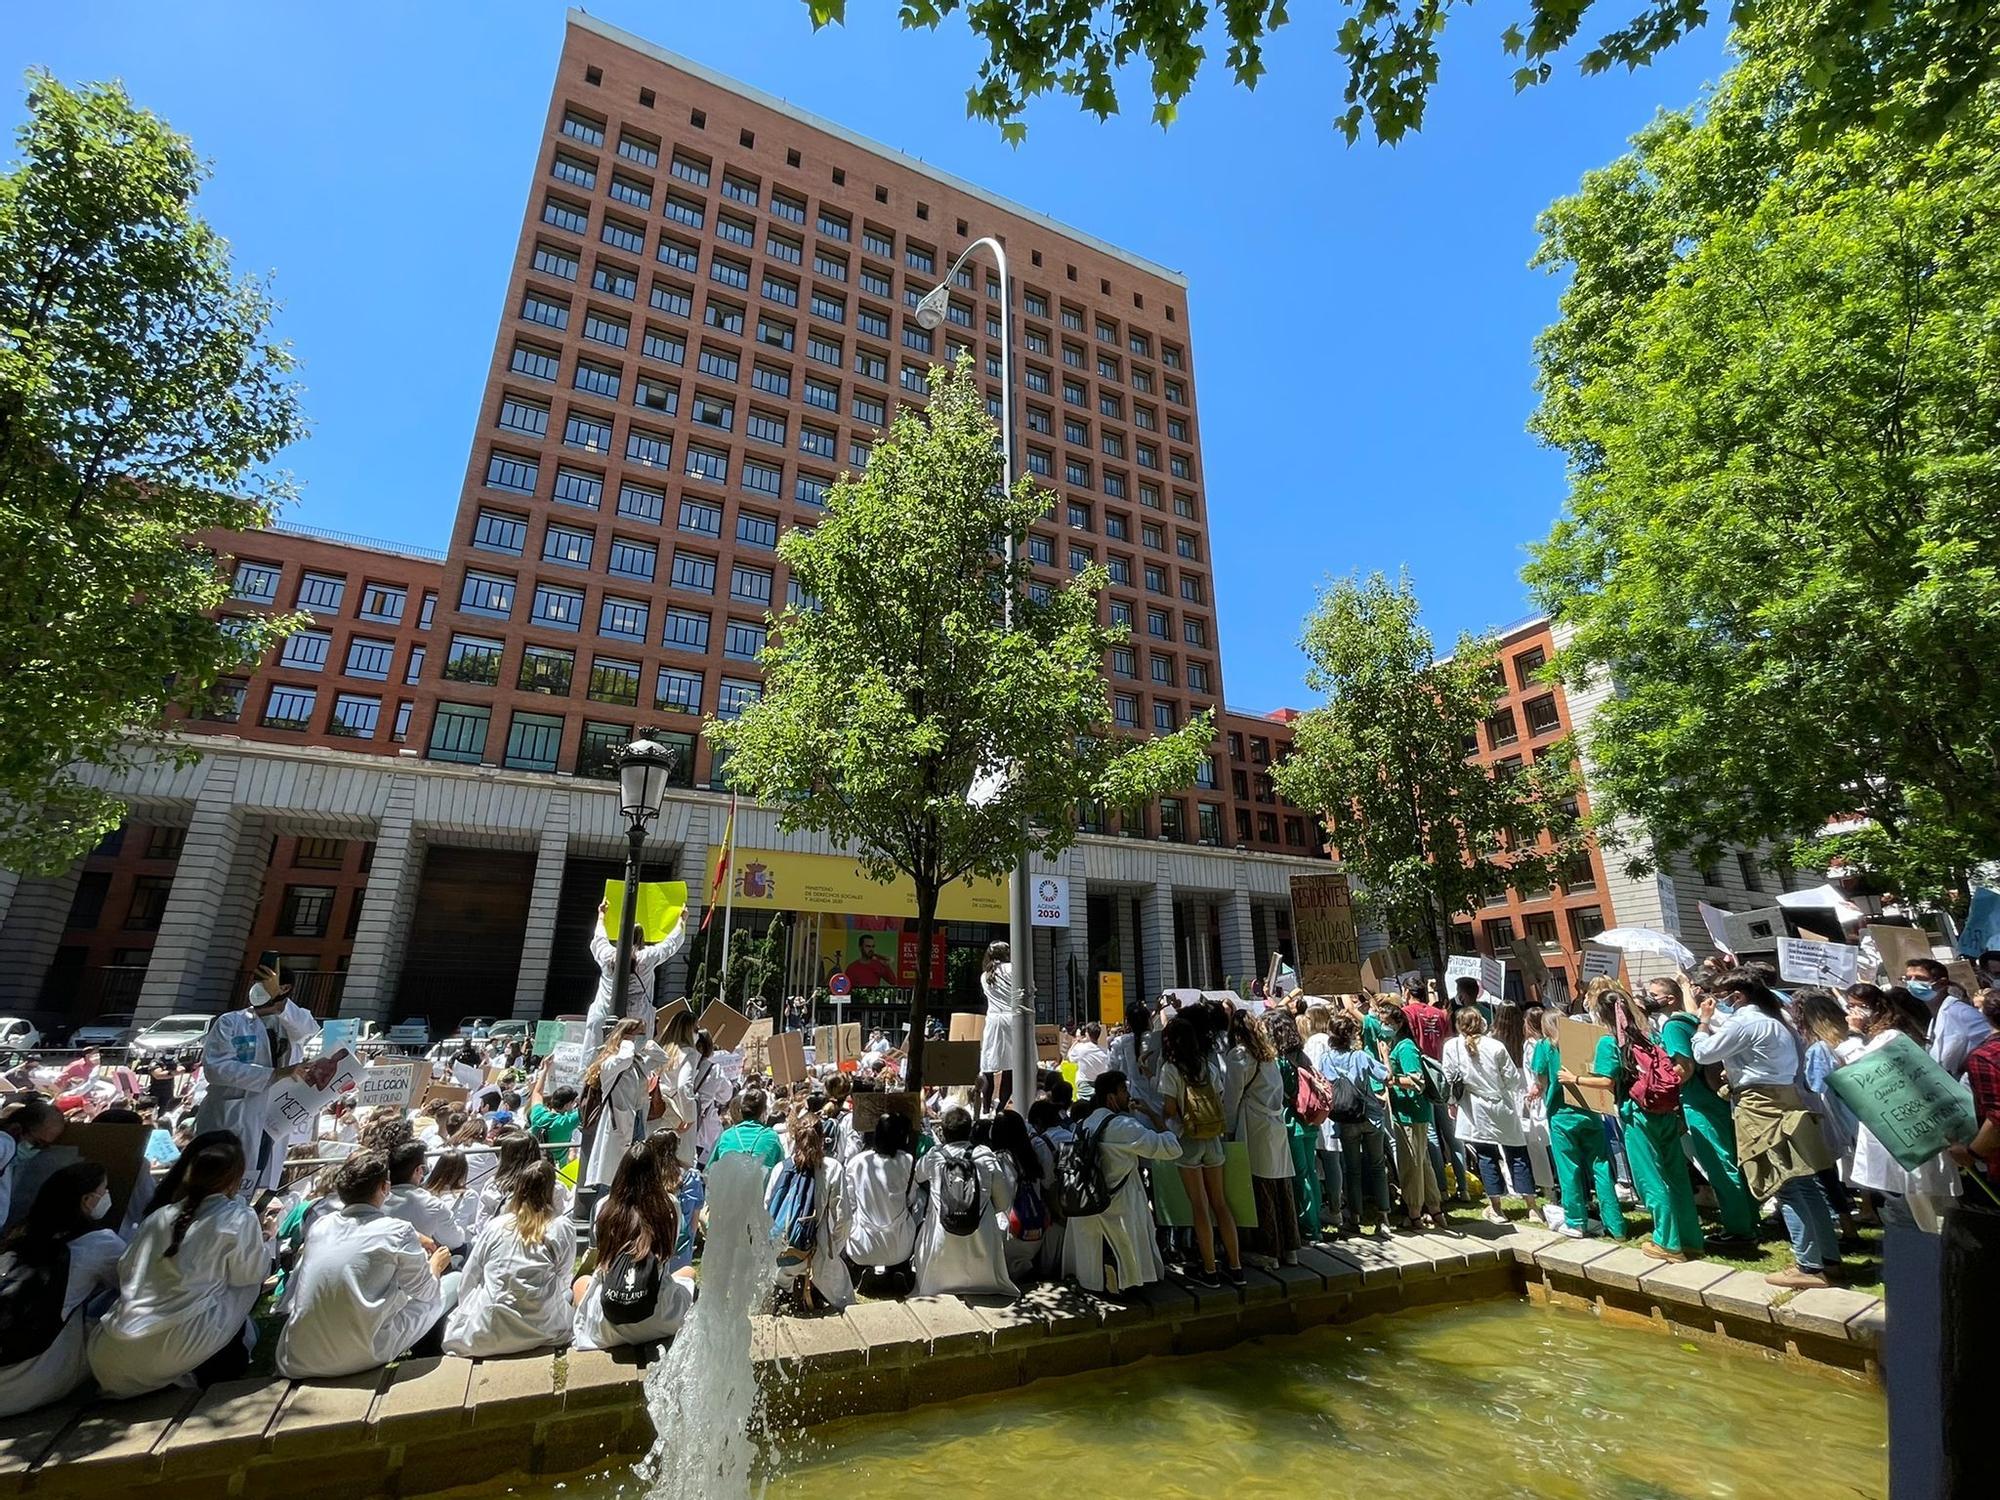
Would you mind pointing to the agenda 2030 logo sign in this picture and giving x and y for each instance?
(1051, 904)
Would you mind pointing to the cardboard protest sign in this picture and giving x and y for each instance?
(443, 1096)
(787, 1058)
(1323, 928)
(1576, 1045)
(1111, 998)
(1599, 963)
(659, 909)
(870, 1107)
(1755, 932)
(1528, 959)
(119, 1149)
(1981, 931)
(387, 1085)
(725, 1024)
(950, 1064)
(967, 1026)
(1810, 961)
(1898, 945)
(1913, 1107)
(1489, 973)
(1048, 1044)
(756, 1047)
(1716, 920)
(833, 1045)
(1961, 973)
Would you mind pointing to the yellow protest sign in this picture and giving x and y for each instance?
(661, 903)
(1111, 997)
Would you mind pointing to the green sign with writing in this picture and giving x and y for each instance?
(1913, 1106)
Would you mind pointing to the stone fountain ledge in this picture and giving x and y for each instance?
(426, 1425)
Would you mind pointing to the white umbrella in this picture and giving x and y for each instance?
(1645, 940)
(1823, 897)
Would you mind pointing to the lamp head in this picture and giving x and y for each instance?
(644, 767)
(930, 311)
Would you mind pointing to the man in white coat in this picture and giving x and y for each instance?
(974, 1264)
(414, 1204)
(646, 961)
(1125, 1228)
(364, 1290)
(244, 1055)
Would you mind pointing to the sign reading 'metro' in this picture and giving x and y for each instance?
(1323, 926)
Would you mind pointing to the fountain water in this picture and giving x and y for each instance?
(703, 1395)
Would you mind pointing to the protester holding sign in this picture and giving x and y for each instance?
(1577, 1142)
(1779, 1140)
(1882, 1016)
(1646, 1088)
(647, 959)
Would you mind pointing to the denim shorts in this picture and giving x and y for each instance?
(1206, 1153)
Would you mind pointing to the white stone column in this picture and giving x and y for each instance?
(538, 941)
(31, 929)
(1239, 939)
(1161, 966)
(1128, 950)
(1074, 942)
(387, 908)
(206, 924)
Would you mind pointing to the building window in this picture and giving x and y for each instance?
(1163, 718)
(742, 640)
(668, 348)
(225, 703)
(1500, 729)
(255, 583)
(369, 658)
(506, 471)
(750, 585)
(582, 128)
(1124, 662)
(678, 691)
(1197, 677)
(458, 733)
(592, 434)
(701, 517)
(1208, 823)
(289, 707)
(810, 489)
(630, 559)
(694, 572)
(615, 281)
(686, 630)
(1195, 632)
(734, 695)
(622, 618)
(305, 650)
(413, 671)
(557, 608)
(614, 682)
(870, 409)
(567, 547)
(1542, 717)
(553, 260)
(546, 670)
(473, 659)
(1585, 923)
(323, 592)
(707, 463)
(383, 603)
(1528, 666)
(597, 380)
(641, 504)
(544, 310)
(632, 148)
(1125, 710)
(355, 715)
(533, 741)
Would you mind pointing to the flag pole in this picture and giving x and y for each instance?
(729, 894)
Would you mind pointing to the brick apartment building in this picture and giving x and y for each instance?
(708, 319)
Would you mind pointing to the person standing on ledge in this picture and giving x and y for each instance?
(999, 1044)
(646, 961)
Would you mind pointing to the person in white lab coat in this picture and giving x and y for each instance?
(515, 1295)
(514, 1151)
(365, 1289)
(1124, 1231)
(1091, 1057)
(879, 1192)
(244, 1055)
(824, 1273)
(189, 1281)
(646, 961)
(30, 1124)
(638, 1227)
(413, 1203)
(1137, 1055)
(705, 1091)
(614, 1098)
(62, 1235)
(973, 1264)
(1000, 1043)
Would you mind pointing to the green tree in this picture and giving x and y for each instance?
(140, 403)
(893, 685)
(1777, 385)
(1427, 833)
(1389, 49)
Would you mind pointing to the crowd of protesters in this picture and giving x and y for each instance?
(560, 1200)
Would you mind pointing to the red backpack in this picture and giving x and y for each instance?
(1656, 1083)
(1312, 1100)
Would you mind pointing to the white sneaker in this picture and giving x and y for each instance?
(1571, 1234)
(1493, 1215)
(1552, 1216)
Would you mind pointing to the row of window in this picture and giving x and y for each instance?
(325, 594)
(1541, 715)
(292, 706)
(368, 657)
(561, 606)
(460, 733)
(1125, 665)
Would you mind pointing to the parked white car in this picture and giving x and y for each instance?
(105, 1031)
(17, 1035)
(171, 1034)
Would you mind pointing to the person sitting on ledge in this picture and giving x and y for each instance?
(365, 1289)
(963, 1245)
(415, 1204)
(53, 1267)
(634, 1297)
(516, 1291)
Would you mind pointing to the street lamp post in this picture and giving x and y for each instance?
(644, 767)
(1020, 930)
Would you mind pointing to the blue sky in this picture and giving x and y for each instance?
(1362, 318)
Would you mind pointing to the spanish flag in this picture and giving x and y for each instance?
(722, 864)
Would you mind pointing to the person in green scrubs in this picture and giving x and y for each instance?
(1410, 1112)
(1652, 1141)
(1576, 1141)
(1711, 1137)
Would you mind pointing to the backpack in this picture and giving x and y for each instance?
(31, 1303)
(1346, 1103)
(630, 1290)
(795, 1218)
(1312, 1101)
(1656, 1083)
(961, 1201)
(1029, 1216)
(1437, 1087)
(1081, 1189)
(1201, 1111)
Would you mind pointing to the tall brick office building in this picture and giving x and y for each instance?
(708, 319)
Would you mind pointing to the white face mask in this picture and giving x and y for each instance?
(99, 1206)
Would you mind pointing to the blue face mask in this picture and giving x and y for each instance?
(1723, 1007)
(1921, 989)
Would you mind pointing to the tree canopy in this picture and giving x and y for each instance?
(140, 404)
(1388, 49)
(1428, 833)
(1776, 381)
(891, 685)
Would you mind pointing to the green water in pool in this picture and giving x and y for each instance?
(1498, 1399)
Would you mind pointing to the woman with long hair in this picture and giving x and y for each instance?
(808, 1227)
(1135, 1052)
(1652, 1137)
(1411, 1113)
(1191, 1088)
(614, 1099)
(1778, 1137)
(1881, 1013)
(1820, 1018)
(189, 1281)
(1364, 1143)
(1490, 1125)
(1517, 1028)
(637, 1232)
(1000, 1043)
(1315, 1147)
(1262, 1115)
(515, 1294)
(1033, 1244)
(63, 1241)
(514, 1151)
(878, 1187)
